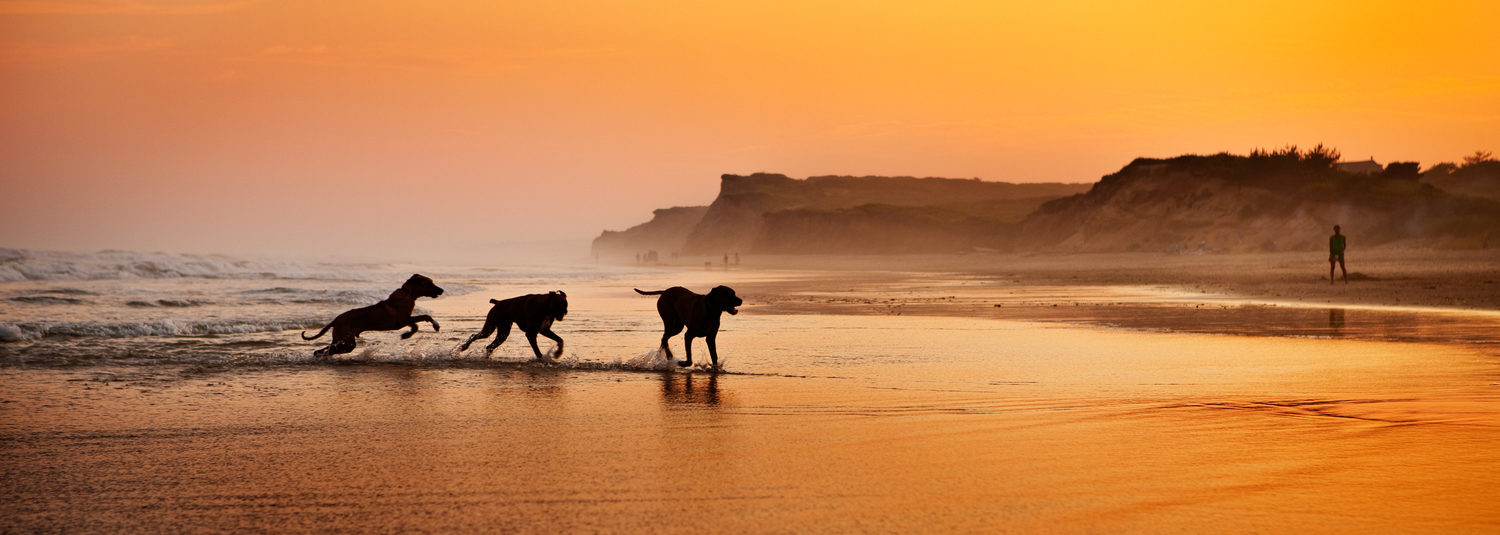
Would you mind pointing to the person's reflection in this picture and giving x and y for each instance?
(690, 388)
(1336, 322)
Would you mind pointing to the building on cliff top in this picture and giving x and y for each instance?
(1367, 167)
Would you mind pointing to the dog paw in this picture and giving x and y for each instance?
(683, 363)
(435, 327)
(406, 335)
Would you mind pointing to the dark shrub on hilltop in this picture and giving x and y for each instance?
(1479, 176)
(1267, 200)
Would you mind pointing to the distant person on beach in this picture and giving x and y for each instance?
(1336, 254)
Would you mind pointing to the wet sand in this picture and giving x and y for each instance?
(839, 412)
(1458, 280)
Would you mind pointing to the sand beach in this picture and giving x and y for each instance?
(876, 400)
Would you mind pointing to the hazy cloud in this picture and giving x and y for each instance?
(478, 61)
(105, 7)
(93, 49)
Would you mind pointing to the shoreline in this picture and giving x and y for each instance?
(1393, 279)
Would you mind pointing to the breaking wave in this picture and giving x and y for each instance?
(23, 265)
(316, 296)
(20, 332)
(47, 300)
(174, 303)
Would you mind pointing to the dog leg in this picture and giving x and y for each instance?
(342, 343)
(412, 322)
(555, 338)
(713, 350)
(482, 334)
(502, 331)
(666, 349)
(531, 337)
(671, 330)
(339, 346)
(687, 346)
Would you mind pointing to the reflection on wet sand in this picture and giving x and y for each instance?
(1256, 320)
(1128, 307)
(690, 388)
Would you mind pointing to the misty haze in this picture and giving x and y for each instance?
(542, 267)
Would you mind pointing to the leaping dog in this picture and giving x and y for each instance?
(680, 308)
(533, 313)
(388, 315)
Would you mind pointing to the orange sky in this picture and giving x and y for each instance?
(400, 129)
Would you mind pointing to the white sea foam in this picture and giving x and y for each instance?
(25, 264)
(284, 295)
(655, 360)
(47, 300)
(11, 332)
(22, 264)
(14, 333)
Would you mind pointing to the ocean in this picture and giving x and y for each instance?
(142, 309)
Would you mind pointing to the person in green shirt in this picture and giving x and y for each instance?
(1336, 254)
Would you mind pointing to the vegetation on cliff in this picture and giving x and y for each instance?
(1478, 176)
(1286, 199)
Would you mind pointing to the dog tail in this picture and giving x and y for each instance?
(320, 333)
(494, 301)
(658, 292)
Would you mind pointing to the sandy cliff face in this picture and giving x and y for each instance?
(889, 229)
(665, 233)
(736, 221)
(1226, 205)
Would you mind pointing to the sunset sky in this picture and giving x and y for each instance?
(409, 130)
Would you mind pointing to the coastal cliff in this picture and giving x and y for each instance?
(1288, 200)
(848, 214)
(1261, 202)
(667, 230)
(891, 229)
